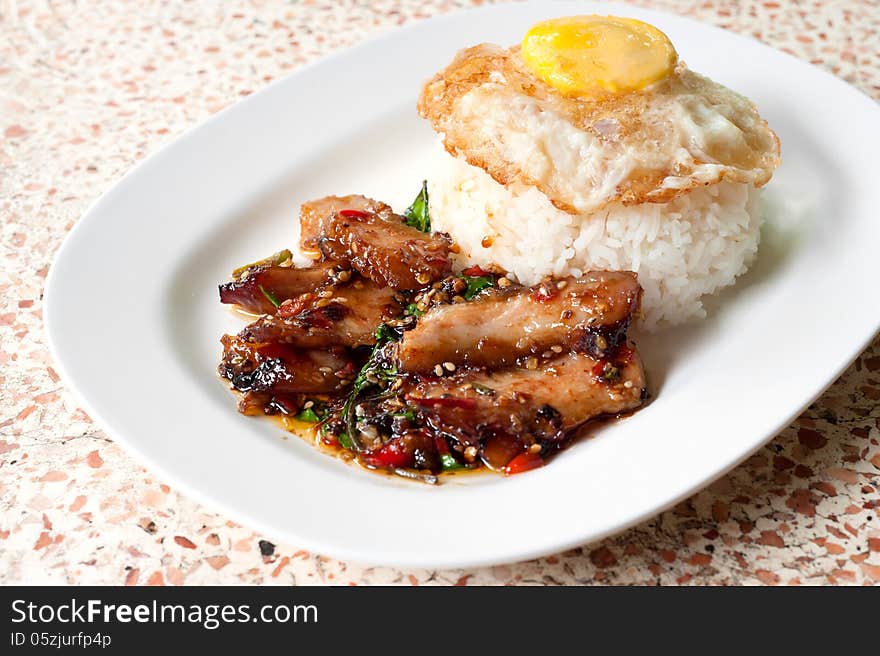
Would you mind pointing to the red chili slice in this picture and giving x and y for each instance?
(523, 462)
(353, 214)
(290, 405)
(273, 351)
(475, 271)
(542, 297)
(390, 455)
(294, 306)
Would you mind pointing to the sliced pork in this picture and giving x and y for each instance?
(589, 314)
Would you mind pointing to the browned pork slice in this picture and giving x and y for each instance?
(503, 413)
(315, 216)
(262, 288)
(346, 315)
(283, 369)
(375, 242)
(589, 314)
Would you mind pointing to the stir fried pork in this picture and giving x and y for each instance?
(258, 288)
(375, 242)
(503, 412)
(282, 369)
(415, 370)
(346, 315)
(590, 314)
(315, 216)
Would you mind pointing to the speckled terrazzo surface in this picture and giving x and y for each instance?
(88, 89)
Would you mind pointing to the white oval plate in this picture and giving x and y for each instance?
(134, 320)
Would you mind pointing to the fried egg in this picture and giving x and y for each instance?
(592, 110)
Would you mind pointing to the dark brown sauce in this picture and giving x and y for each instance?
(309, 433)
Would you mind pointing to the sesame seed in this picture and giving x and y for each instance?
(503, 282)
(324, 302)
(449, 366)
(354, 247)
(423, 278)
(344, 276)
(535, 448)
(470, 453)
(556, 348)
(308, 404)
(547, 354)
(325, 370)
(438, 370)
(561, 284)
(628, 384)
(532, 363)
(327, 293)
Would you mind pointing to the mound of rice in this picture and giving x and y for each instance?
(682, 250)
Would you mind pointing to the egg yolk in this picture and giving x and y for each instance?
(598, 55)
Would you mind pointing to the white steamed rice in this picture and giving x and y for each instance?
(682, 250)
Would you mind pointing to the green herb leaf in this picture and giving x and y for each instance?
(345, 441)
(383, 372)
(384, 333)
(413, 310)
(408, 414)
(417, 214)
(276, 259)
(610, 373)
(308, 415)
(449, 463)
(269, 295)
(476, 284)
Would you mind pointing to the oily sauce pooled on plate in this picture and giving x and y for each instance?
(407, 366)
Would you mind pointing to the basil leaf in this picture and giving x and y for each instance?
(387, 373)
(345, 441)
(385, 333)
(413, 310)
(476, 284)
(269, 295)
(277, 259)
(417, 214)
(308, 415)
(408, 414)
